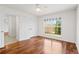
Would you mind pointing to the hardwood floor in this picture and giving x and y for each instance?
(39, 45)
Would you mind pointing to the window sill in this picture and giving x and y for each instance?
(54, 36)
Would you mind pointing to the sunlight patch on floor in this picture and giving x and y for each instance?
(52, 47)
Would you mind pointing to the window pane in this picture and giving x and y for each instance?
(53, 26)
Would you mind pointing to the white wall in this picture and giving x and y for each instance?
(77, 32)
(68, 25)
(5, 21)
(28, 27)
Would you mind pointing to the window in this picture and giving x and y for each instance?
(53, 26)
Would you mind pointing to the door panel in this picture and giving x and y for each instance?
(1, 33)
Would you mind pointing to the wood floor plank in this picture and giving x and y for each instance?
(39, 45)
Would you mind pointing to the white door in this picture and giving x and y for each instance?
(1, 33)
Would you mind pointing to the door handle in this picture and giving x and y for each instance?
(2, 31)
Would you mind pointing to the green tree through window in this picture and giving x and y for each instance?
(58, 27)
(53, 26)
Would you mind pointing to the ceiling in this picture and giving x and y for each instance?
(45, 8)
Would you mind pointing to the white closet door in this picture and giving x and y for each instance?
(12, 25)
(1, 33)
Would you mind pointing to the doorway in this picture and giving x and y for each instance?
(9, 29)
